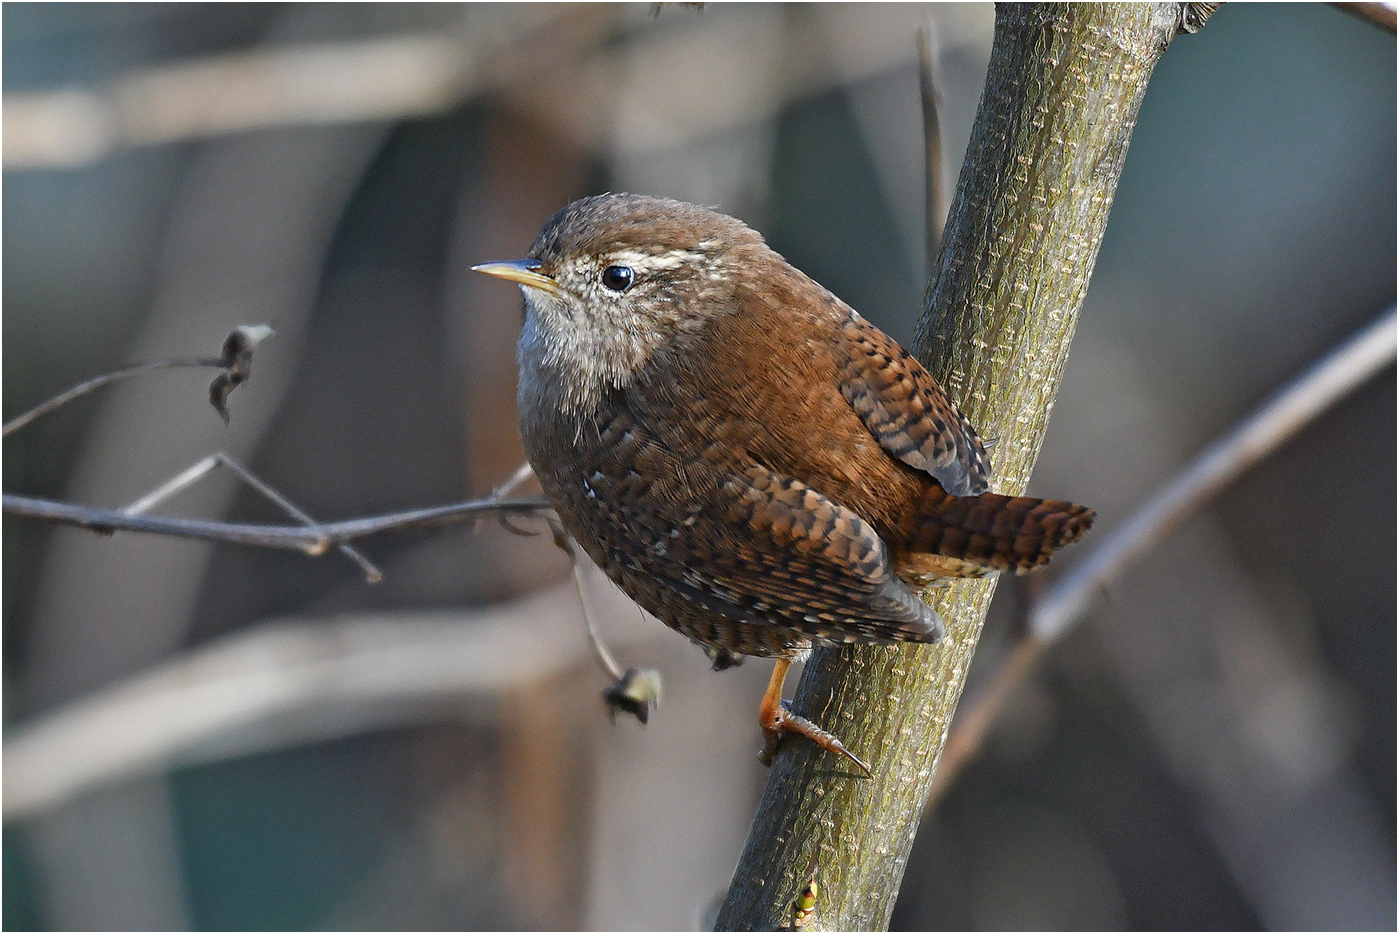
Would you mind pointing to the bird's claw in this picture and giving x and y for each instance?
(783, 721)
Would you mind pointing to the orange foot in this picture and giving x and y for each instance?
(776, 720)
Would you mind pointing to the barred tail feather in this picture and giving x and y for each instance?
(1003, 533)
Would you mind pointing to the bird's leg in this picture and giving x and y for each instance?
(776, 719)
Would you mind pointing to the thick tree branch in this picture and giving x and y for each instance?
(1063, 90)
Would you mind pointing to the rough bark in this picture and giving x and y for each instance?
(1063, 89)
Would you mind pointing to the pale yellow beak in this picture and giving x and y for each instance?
(523, 271)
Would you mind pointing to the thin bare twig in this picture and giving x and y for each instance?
(235, 360)
(106, 379)
(201, 469)
(514, 481)
(187, 477)
(565, 543)
(600, 650)
(313, 541)
(1066, 601)
(636, 691)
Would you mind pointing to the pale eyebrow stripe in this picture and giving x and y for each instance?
(653, 262)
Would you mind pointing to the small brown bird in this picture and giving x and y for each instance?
(742, 453)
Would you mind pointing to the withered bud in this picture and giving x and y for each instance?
(637, 692)
(237, 356)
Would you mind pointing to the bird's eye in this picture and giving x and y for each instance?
(617, 278)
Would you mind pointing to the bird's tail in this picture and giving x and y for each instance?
(1001, 533)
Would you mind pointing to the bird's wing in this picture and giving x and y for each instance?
(803, 561)
(742, 541)
(907, 411)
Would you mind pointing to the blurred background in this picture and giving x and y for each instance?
(214, 737)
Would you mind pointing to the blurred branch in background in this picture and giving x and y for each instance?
(291, 85)
(1292, 408)
(936, 186)
(332, 83)
(1379, 14)
(1057, 608)
(292, 683)
(416, 75)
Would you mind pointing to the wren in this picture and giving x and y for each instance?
(744, 455)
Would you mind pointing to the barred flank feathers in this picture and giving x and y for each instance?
(1000, 532)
